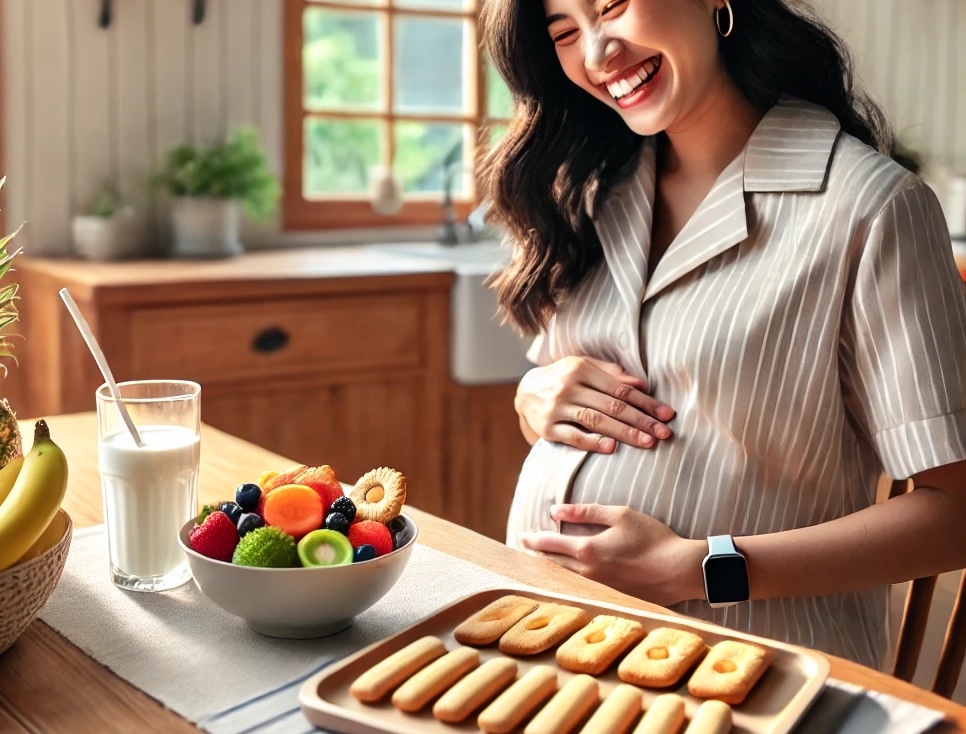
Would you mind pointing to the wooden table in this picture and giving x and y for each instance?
(48, 686)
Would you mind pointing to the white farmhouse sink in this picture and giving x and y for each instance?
(482, 351)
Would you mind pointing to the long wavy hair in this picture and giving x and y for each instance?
(564, 153)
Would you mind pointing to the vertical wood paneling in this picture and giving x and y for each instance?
(169, 42)
(207, 75)
(16, 129)
(957, 85)
(49, 55)
(90, 102)
(268, 97)
(134, 78)
(241, 62)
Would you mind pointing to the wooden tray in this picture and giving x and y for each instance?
(775, 705)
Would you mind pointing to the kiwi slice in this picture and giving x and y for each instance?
(325, 548)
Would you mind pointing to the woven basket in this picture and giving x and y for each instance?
(25, 588)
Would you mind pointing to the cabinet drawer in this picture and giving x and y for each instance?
(214, 343)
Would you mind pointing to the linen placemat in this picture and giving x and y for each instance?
(210, 668)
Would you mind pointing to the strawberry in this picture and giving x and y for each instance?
(216, 537)
(372, 533)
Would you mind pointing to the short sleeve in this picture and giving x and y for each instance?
(903, 339)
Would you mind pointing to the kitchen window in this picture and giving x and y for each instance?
(369, 82)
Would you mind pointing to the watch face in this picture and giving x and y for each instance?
(726, 578)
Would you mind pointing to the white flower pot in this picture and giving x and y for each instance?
(108, 238)
(205, 227)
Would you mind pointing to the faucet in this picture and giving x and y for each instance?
(451, 231)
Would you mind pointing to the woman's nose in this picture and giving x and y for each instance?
(599, 51)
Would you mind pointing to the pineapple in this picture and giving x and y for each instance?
(11, 445)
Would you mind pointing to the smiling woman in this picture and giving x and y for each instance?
(382, 82)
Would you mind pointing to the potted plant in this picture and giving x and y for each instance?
(108, 231)
(210, 187)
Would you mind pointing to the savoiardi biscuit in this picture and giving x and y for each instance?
(618, 711)
(566, 709)
(475, 689)
(593, 648)
(490, 623)
(435, 678)
(712, 717)
(382, 677)
(729, 671)
(543, 628)
(515, 703)
(664, 716)
(662, 658)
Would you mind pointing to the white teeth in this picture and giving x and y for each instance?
(624, 87)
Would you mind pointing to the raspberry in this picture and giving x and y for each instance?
(215, 538)
(370, 532)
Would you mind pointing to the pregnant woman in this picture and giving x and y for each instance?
(745, 312)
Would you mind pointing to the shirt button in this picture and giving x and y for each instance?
(624, 339)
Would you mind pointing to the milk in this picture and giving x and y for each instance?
(149, 493)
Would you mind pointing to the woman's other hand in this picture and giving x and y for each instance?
(590, 404)
(634, 553)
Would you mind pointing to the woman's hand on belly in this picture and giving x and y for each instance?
(634, 553)
(590, 404)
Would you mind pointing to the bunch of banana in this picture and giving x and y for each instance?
(31, 490)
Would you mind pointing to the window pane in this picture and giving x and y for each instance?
(341, 60)
(428, 67)
(499, 103)
(339, 154)
(421, 150)
(496, 134)
(354, 2)
(454, 5)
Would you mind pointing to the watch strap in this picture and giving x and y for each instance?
(721, 545)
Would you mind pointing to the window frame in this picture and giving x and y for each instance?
(301, 213)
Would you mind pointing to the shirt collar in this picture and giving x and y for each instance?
(791, 149)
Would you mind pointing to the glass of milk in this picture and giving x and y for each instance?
(151, 491)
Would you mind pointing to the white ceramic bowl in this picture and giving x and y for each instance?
(298, 603)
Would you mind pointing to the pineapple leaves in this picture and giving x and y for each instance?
(9, 314)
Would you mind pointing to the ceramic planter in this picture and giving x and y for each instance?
(205, 227)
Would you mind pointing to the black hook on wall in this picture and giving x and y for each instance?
(198, 12)
(104, 19)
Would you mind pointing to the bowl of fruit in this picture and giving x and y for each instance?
(296, 557)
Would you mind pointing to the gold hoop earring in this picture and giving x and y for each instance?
(731, 19)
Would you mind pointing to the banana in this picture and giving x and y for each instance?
(34, 499)
(47, 540)
(8, 475)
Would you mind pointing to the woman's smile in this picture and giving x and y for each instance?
(634, 86)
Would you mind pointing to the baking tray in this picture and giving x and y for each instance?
(796, 675)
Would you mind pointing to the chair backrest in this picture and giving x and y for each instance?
(912, 630)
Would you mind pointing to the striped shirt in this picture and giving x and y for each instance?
(808, 326)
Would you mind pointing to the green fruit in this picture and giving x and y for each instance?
(266, 548)
(325, 548)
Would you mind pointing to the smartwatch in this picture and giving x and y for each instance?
(725, 573)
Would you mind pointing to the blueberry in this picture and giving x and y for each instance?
(396, 525)
(232, 510)
(247, 496)
(399, 532)
(337, 521)
(346, 507)
(249, 521)
(364, 552)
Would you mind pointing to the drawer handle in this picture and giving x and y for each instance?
(270, 340)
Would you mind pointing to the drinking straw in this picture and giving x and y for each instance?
(102, 365)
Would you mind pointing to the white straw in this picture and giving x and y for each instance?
(92, 344)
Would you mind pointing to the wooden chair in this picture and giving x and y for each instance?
(912, 630)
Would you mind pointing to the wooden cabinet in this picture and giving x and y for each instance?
(344, 368)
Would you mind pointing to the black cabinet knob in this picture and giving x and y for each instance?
(270, 340)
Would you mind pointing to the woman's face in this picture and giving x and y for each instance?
(653, 61)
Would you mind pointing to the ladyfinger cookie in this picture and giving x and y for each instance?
(565, 710)
(488, 625)
(382, 677)
(712, 717)
(729, 672)
(434, 679)
(543, 628)
(618, 711)
(665, 716)
(662, 659)
(475, 689)
(514, 705)
(593, 648)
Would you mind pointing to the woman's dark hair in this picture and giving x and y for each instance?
(563, 153)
